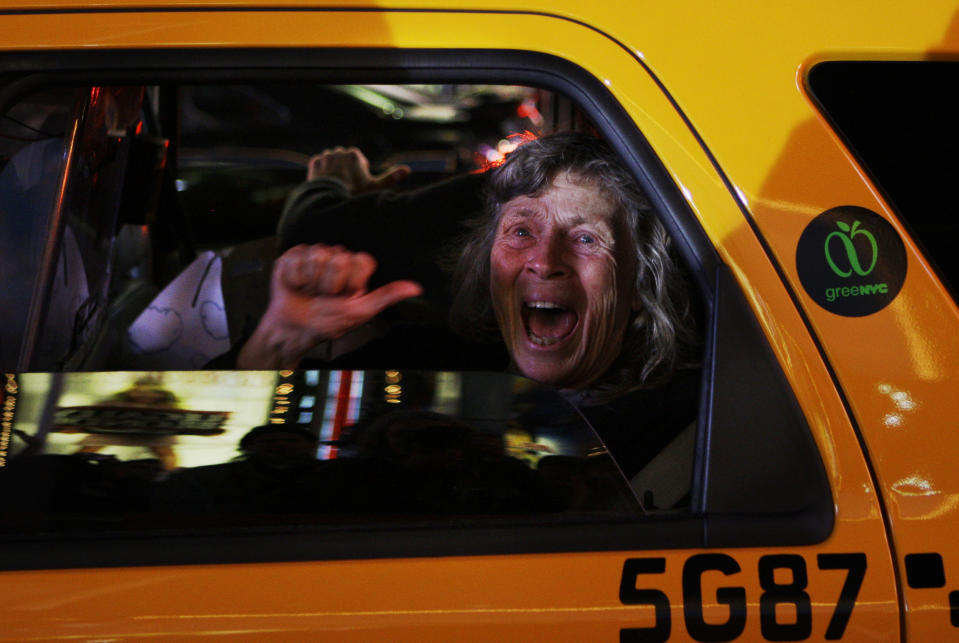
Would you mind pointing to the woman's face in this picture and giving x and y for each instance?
(561, 280)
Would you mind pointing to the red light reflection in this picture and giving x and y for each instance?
(487, 157)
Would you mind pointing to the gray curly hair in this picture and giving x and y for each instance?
(660, 336)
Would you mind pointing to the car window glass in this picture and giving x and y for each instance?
(164, 450)
(177, 217)
(69, 193)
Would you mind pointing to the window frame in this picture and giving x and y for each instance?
(716, 519)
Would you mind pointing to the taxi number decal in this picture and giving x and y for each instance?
(791, 592)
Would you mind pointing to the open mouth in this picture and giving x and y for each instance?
(548, 323)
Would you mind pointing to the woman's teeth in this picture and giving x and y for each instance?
(548, 323)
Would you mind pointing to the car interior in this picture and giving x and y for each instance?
(141, 222)
(165, 201)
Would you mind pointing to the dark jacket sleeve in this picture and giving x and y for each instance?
(406, 232)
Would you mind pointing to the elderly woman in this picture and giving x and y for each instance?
(568, 266)
(575, 270)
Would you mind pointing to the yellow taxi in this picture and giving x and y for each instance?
(800, 158)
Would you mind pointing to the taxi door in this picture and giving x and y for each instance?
(785, 539)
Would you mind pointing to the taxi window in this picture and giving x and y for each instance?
(708, 448)
(899, 120)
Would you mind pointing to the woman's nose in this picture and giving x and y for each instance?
(547, 259)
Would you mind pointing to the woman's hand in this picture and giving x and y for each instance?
(317, 293)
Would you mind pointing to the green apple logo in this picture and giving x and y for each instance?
(851, 282)
(845, 235)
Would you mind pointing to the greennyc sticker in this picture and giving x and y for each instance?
(851, 261)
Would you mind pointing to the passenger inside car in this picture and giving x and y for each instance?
(613, 330)
(546, 270)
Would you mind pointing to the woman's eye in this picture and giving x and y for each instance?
(521, 232)
(586, 238)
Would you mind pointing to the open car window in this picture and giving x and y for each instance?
(151, 265)
(153, 213)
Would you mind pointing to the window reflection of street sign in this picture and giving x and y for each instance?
(133, 420)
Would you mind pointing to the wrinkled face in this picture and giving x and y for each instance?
(561, 280)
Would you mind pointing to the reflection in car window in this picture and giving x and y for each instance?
(133, 451)
(175, 251)
(178, 207)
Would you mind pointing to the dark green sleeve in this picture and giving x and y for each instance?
(406, 232)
